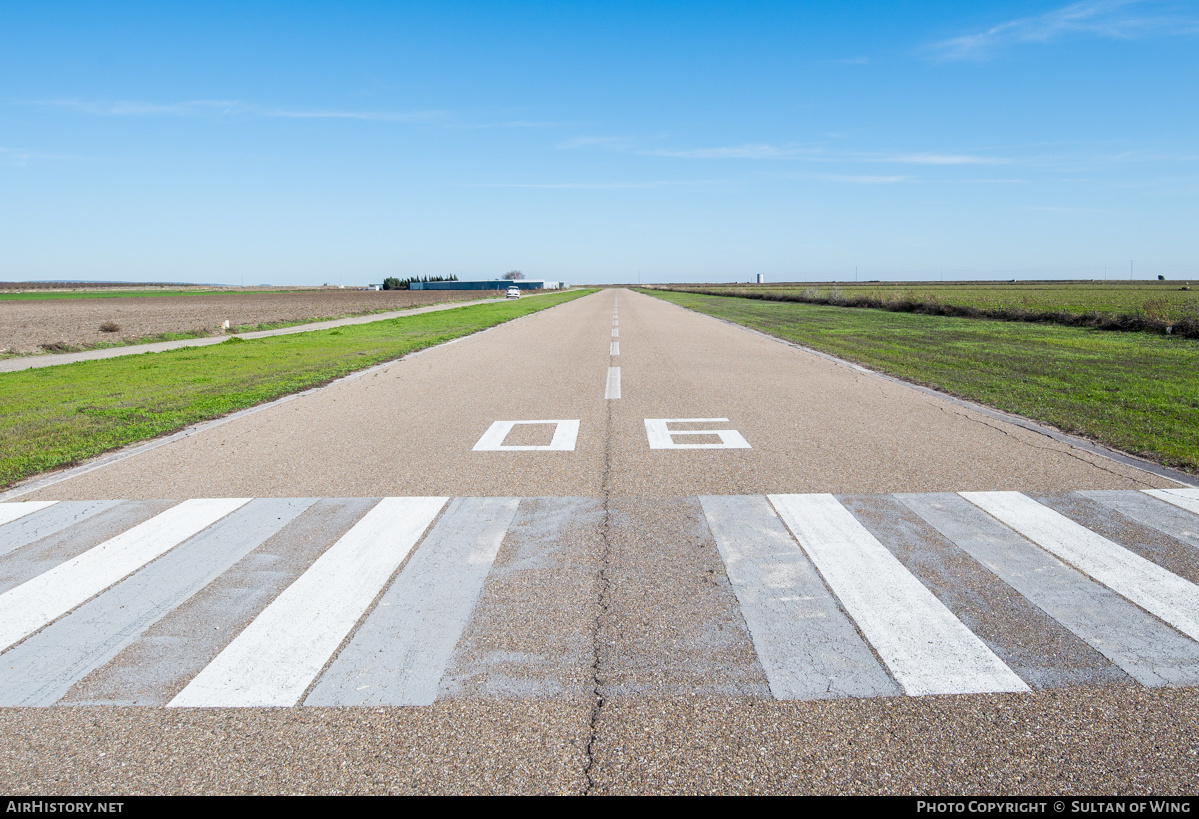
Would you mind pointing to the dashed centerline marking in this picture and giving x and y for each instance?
(612, 389)
(615, 333)
(614, 348)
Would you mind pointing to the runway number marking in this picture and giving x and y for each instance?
(565, 435)
(662, 437)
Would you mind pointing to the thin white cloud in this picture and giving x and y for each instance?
(942, 159)
(607, 143)
(1062, 209)
(368, 116)
(194, 108)
(516, 123)
(132, 108)
(1123, 19)
(589, 185)
(860, 179)
(752, 151)
(20, 157)
(815, 154)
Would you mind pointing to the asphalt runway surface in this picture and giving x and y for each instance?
(611, 547)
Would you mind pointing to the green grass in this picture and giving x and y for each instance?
(56, 416)
(1168, 302)
(1131, 391)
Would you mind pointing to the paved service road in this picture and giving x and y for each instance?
(610, 547)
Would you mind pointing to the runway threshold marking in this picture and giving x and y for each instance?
(566, 434)
(43, 668)
(1187, 499)
(786, 605)
(281, 652)
(1151, 587)
(399, 654)
(36, 602)
(660, 436)
(1147, 510)
(12, 511)
(612, 387)
(927, 648)
(816, 634)
(51, 518)
(1146, 649)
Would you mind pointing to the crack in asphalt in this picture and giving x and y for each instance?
(1069, 451)
(603, 589)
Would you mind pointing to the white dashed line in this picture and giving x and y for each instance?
(612, 390)
(614, 349)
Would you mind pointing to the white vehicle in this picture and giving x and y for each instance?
(514, 292)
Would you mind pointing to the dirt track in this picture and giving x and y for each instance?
(37, 326)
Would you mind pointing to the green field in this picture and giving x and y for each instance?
(52, 417)
(1132, 391)
(1160, 303)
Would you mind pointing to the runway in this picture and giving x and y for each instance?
(610, 547)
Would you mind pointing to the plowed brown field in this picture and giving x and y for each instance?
(59, 324)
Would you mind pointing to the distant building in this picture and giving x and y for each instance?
(498, 284)
(761, 278)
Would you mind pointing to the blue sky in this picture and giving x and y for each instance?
(304, 143)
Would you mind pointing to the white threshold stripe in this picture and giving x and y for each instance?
(12, 511)
(927, 649)
(612, 388)
(1187, 499)
(33, 604)
(1151, 587)
(614, 348)
(280, 653)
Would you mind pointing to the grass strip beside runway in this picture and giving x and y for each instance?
(1132, 391)
(57, 416)
(1166, 308)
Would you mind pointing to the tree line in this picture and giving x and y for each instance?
(392, 283)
